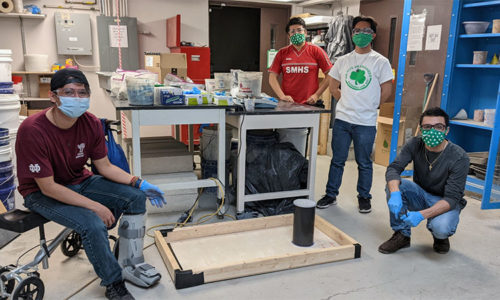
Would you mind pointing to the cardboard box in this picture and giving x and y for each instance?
(33, 111)
(161, 155)
(407, 126)
(165, 63)
(24, 110)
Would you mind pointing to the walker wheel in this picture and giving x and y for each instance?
(71, 244)
(9, 285)
(30, 288)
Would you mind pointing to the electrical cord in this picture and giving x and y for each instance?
(82, 65)
(200, 220)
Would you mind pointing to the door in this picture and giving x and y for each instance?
(234, 38)
(272, 36)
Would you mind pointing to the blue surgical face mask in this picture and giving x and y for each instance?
(74, 107)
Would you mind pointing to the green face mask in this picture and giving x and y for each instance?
(432, 137)
(362, 39)
(298, 39)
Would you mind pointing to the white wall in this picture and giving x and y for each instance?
(350, 7)
(151, 16)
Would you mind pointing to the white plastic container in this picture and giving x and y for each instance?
(140, 90)
(223, 81)
(250, 84)
(36, 62)
(209, 142)
(489, 117)
(296, 136)
(210, 85)
(9, 111)
(5, 65)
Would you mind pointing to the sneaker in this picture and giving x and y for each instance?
(326, 201)
(118, 291)
(441, 246)
(365, 205)
(396, 242)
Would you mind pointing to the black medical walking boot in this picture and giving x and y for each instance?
(441, 246)
(326, 202)
(396, 242)
(118, 291)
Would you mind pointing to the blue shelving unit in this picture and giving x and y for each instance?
(470, 87)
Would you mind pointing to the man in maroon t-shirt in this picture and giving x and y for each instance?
(52, 149)
(299, 63)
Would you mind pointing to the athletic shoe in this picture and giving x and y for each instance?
(326, 202)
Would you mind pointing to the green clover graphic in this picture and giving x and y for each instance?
(358, 76)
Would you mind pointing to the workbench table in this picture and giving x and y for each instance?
(174, 115)
(285, 115)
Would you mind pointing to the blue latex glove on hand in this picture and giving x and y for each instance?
(154, 194)
(413, 218)
(395, 203)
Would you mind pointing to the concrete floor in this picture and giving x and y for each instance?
(471, 270)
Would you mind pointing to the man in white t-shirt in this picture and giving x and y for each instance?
(365, 78)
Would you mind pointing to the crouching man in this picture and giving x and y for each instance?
(52, 148)
(437, 190)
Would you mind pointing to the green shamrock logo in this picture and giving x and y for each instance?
(358, 76)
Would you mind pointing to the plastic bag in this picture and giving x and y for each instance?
(273, 168)
(115, 152)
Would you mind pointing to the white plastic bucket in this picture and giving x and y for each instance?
(5, 154)
(296, 136)
(13, 136)
(36, 62)
(5, 68)
(250, 83)
(210, 143)
(223, 81)
(9, 111)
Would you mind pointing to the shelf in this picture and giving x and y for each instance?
(484, 66)
(30, 99)
(31, 73)
(24, 16)
(480, 35)
(481, 4)
(471, 123)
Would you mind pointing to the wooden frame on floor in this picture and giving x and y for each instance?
(213, 252)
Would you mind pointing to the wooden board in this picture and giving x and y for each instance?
(213, 252)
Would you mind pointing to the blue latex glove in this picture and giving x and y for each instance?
(395, 203)
(154, 194)
(412, 218)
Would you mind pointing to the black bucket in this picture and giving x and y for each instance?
(303, 222)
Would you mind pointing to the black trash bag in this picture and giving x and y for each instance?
(273, 168)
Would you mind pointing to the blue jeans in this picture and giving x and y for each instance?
(363, 138)
(416, 198)
(119, 198)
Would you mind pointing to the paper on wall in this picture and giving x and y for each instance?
(416, 32)
(113, 36)
(433, 38)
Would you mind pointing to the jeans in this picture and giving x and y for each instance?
(416, 198)
(119, 198)
(363, 138)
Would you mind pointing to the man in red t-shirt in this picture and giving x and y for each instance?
(52, 149)
(299, 63)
